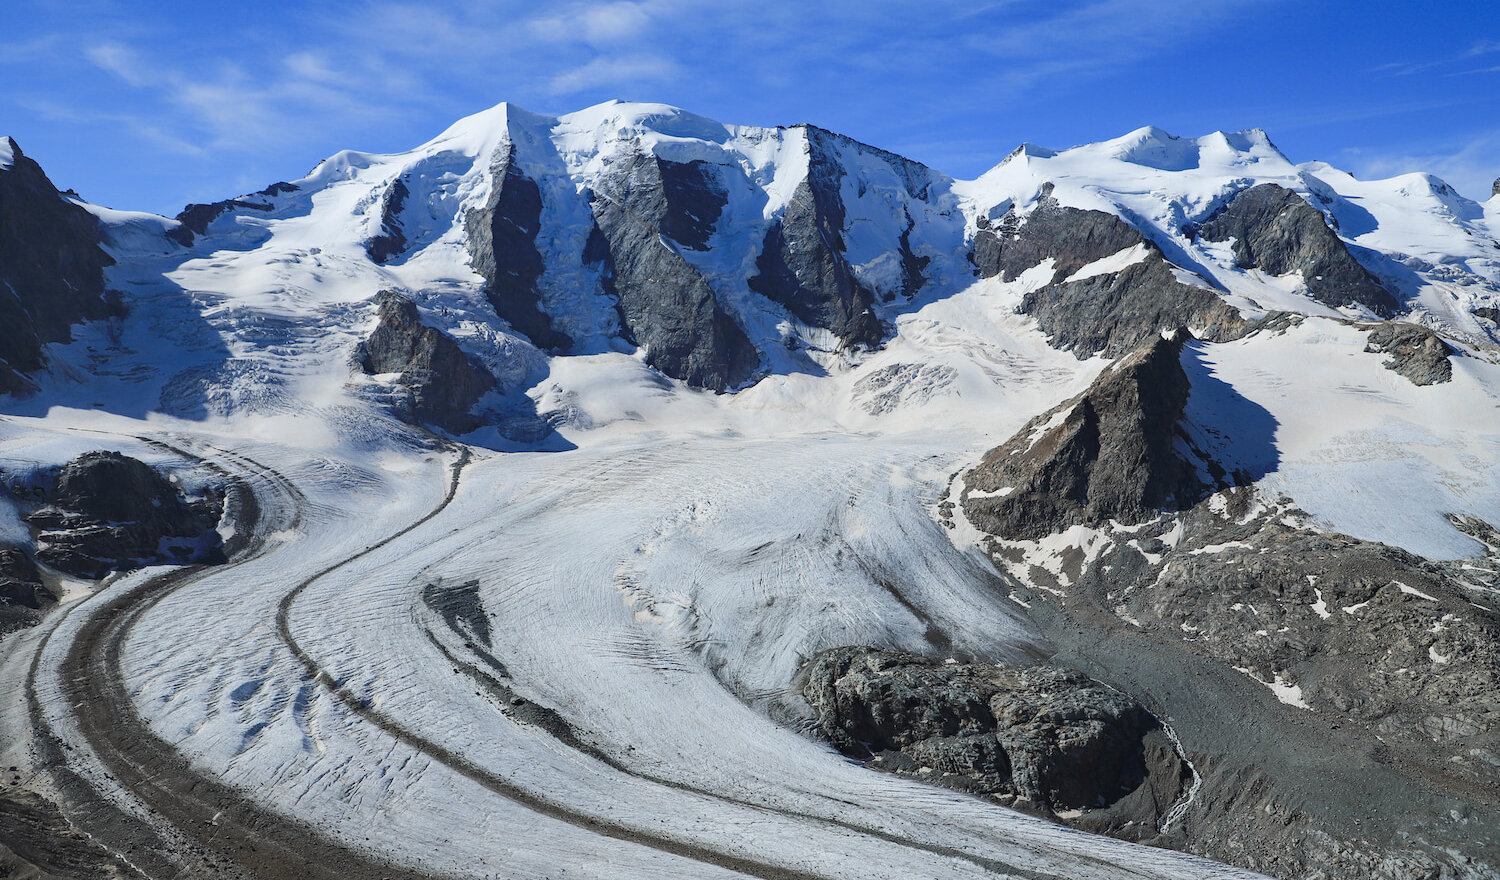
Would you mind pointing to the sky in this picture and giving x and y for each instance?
(149, 106)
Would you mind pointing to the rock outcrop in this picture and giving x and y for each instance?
(441, 383)
(1110, 311)
(194, 220)
(1042, 737)
(666, 306)
(109, 512)
(1416, 352)
(51, 269)
(802, 264)
(1109, 454)
(502, 249)
(390, 242)
(1273, 229)
(23, 595)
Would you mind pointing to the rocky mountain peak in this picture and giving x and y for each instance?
(1111, 453)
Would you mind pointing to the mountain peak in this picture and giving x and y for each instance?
(9, 150)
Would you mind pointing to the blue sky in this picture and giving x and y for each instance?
(149, 106)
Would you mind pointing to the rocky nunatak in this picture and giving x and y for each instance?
(108, 512)
(1338, 696)
(441, 383)
(1041, 738)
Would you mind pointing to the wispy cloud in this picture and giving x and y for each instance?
(1411, 68)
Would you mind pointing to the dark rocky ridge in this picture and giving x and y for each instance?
(666, 306)
(1110, 313)
(51, 269)
(802, 264)
(194, 220)
(502, 249)
(1108, 454)
(1041, 738)
(390, 242)
(1416, 352)
(441, 382)
(1276, 231)
(109, 512)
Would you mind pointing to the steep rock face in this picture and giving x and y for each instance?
(51, 268)
(1111, 311)
(802, 264)
(502, 249)
(442, 383)
(390, 242)
(1108, 454)
(1042, 737)
(1275, 231)
(1416, 352)
(109, 512)
(666, 305)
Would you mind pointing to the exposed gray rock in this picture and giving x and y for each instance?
(1109, 313)
(442, 383)
(391, 241)
(51, 270)
(502, 249)
(802, 264)
(1073, 237)
(21, 582)
(666, 305)
(23, 595)
(1495, 187)
(1489, 314)
(109, 512)
(1042, 737)
(1416, 352)
(695, 200)
(1112, 313)
(1275, 230)
(1107, 454)
(194, 220)
(1220, 615)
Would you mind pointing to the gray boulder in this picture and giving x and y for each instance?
(502, 249)
(1042, 737)
(441, 382)
(666, 306)
(51, 269)
(1416, 352)
(1107, 454)
(109, 512)
(1275, 230)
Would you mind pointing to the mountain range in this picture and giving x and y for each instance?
(697, 498)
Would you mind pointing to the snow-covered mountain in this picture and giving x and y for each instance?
(562, 450)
